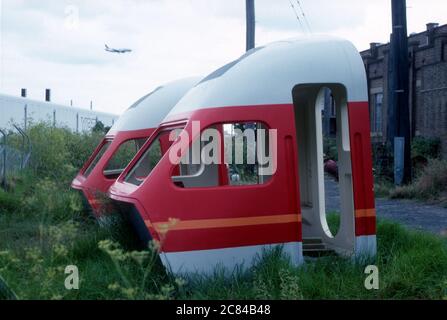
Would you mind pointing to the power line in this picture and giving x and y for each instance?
(304, 16)
(296, 14)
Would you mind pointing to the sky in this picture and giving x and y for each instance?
(59, 44)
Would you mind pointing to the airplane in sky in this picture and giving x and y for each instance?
(108, 49)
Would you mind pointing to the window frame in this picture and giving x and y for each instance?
(105, 142)
(145, 148)
(103, 170)
(374, 113)
(227, 186)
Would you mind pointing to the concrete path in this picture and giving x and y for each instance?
(413, 214)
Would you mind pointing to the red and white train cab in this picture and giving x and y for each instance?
(124, 139)
(206, 215)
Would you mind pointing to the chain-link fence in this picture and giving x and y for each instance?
(15, 152)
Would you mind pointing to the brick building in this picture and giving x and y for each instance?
(428, 84)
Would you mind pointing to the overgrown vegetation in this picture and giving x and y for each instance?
(43, 229)
(330, 148)
(429, 172)
(428, 148)
(431, 184)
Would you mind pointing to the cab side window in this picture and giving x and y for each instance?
(230, 154)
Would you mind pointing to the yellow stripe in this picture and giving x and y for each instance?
(365, 213)
(176, 225)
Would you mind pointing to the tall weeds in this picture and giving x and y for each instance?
(431, 184)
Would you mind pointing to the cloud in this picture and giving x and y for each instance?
(46, 45)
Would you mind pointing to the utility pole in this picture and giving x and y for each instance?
(251, 24)
(399, 128)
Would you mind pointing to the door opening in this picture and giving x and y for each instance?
(310, 128)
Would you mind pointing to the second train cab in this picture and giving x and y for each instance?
(245, 172)
(124, 140)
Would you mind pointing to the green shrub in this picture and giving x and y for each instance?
(330, 148)
(43, 189)
(51, 202)
(57, 153)
(429, 148)
(382, 162)
(8, 202)
(5, 292)
(81, 146)
(429, 185)
(47, 231)
(49, 157)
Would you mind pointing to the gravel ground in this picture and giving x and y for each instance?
(416, 215)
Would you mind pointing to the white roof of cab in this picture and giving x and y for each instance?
(267, 75)
(150, 110)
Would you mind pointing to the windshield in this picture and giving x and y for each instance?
(122, 157)
(159, 146)
(97, 157)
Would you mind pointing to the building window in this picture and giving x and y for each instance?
(376, 113)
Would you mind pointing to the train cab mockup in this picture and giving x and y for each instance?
(264, 106)
(123, 141)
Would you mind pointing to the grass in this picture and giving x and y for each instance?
(39, 242)
(43, 229)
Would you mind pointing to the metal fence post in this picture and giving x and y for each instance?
(25, 154)
(26, 116)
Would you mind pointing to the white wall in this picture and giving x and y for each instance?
(16, 110)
